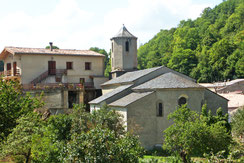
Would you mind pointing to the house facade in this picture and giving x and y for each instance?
(145, 98)
(66, 76)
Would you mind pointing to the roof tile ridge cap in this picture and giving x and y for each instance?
(8, 49)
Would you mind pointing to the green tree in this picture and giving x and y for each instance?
(86, 137)
(183, 61)
(237, 123)
(48, 145)
(100, 137)
(107, 62)
(54, 47)
(215, 38)
(18, 144)
(191, 135)
(14, 104)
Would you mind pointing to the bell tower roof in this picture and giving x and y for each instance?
(123, 33)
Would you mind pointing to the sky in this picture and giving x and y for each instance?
(81, 24)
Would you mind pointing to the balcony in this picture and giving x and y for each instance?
(9, 74)
(53, 86)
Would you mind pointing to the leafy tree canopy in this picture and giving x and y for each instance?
(107, 60)
(13, 104)
(54, 47)
(210, 48)
(237, 123)
(85, 137)
(192, 134)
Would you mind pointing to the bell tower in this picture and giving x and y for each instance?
(123, 53)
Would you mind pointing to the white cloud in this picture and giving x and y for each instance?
(69, 26)
(146, 17)
(66, 19)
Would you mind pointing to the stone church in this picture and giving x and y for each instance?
(146, 97)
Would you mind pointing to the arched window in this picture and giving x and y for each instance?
(127, 46)
(182, 101)
(160, 109)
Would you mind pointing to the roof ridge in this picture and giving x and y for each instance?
(116, 80)
(168, 80)
(46, 49)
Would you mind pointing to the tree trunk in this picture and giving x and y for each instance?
(28, 156)
(183, 156)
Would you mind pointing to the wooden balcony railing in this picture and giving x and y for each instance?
(10, 73)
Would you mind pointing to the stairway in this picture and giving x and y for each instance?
(58, 75)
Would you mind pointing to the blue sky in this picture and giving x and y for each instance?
(81, 24)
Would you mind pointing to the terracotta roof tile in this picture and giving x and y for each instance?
(71, 52)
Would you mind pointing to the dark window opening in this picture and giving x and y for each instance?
(160, 109)
(69, 65)
(182, 101)
(88, 66)
(127, 46)
(82, 80)
(15, 68)
(8, 69)
(72, 98)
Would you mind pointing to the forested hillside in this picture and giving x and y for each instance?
(210, 48)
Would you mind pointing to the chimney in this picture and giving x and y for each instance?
(51, 46)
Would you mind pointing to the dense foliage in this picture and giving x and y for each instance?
(210, 48)
(13, 104)
(191, 134)
(237, 122)
(76, 137)
(107, 61)
(19, 141)
(95, 137)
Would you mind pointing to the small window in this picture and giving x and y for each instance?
(87, 65)
(69, 65)
(182, 101)
(82, 80)
(159, 109)
(58, 79)
(127, 46)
